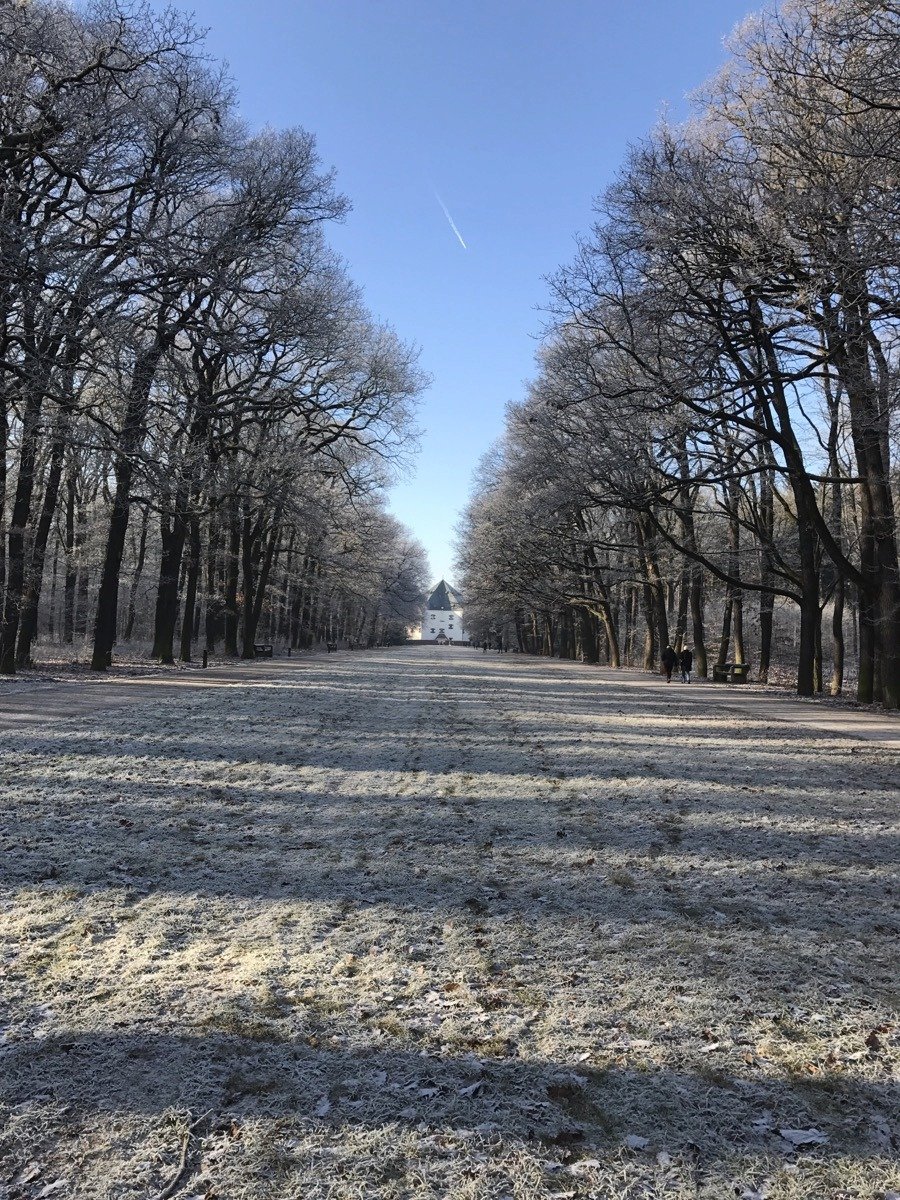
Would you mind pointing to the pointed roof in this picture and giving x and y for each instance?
(444, 598)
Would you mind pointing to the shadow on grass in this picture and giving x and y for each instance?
(543, 1101)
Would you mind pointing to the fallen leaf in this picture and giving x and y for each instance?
(803, 1137)
(323, 1107)
(633, 1142)
(585, 1164)
(472, 1090)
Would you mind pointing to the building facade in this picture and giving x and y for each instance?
(442, 620)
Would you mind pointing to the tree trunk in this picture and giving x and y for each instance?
(836, 525)
(213, 602)
(32, 591)
(18, 524)
(270, 557)
(173, 532)
(232, 569)
(249, 557)
(734, 561)
(631, 610)
(655, 594)
(138, 571)
(190, 598)
(82, 592)
(880, 679)
(737, 632)
(4, 466)
(650, 647)
(596, 583)
(767, 533)
(695, 574)
(71, 574)
(725, 639)
(51, 607)
(520, 631)
(549, 635)
(130, 437)
(837, 634)
(766, 625)
(684, 589)
(612, 636)
(698, 623)
(588, 630)
(866, 687)
(810, 609)
(817, 660)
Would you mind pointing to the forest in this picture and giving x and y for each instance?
(708, 453)
(199, 417)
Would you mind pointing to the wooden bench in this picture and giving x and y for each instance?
(263, 650)
(730, 672)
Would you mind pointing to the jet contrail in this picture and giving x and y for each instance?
(450, 220)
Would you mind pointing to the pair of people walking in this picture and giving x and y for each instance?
(684, 661)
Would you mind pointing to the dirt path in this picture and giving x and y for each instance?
(29, 704)
(816, 716)
(26, 704)
(425, 923)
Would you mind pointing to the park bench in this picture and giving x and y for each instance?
(730, 672)
(332, 646)
(263, 650)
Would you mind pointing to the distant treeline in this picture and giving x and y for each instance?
(715, 415)
(198, 415)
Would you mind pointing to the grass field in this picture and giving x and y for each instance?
(428, 923)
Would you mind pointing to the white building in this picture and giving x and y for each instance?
(442, 621)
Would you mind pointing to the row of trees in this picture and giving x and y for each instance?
(198, 415)
(716, 406)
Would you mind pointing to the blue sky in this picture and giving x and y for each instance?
(516, 112)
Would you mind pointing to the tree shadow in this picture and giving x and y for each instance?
(273, 1074)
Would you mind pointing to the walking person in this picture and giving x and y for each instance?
(669, 661)
(686, 662)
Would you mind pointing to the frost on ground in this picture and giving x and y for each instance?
(430, 923)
